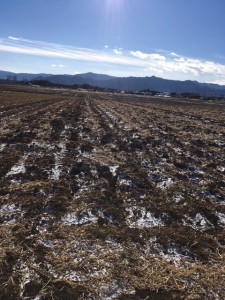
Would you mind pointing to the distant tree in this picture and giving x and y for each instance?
(42, 83)
(191, 95)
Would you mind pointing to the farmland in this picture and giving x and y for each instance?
(109, 196)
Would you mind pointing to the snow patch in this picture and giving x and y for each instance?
(221, 169)
(221, 217)
(73, 276)
(55, 172)
(8, 213)
(47, 243)
(113, 169)
(165, 183)
(173, 253)
(147, 219)
(38, 298)
(17, 169)
(2, 147)
(79, 219)
(199, 222)
(113, 290)
(146, 163)
(178, 198)
(177, 150)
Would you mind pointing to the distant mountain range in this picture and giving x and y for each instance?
(123, 83)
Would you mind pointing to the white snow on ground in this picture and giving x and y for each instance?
(38, 298)
(199, 222)
(221, 217)
(17, 169)
(113, 290)
(219, 143)
(113, 169)
(47, 243)
(8, 213)
(174, 253)
(147, 219)
(26, 275)
(146, 163)
(73, 276)
(79, 219)
(41, 144)
(199, 171)
(55, 172)
(9, 208)
(178, 198)
(2, 147)
(221, 169)
(177, 150)
(125, 182)
(165, 183)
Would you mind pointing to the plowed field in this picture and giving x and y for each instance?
(108, 196)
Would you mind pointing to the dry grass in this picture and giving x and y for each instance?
(110, 197)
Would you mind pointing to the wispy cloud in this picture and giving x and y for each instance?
(117, 52)
(57, 66)
(29, 47)
(180, 64)
(169, 65)
(173, 54)
(13, 38)
(148, 57)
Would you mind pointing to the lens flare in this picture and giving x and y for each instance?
(114, 6)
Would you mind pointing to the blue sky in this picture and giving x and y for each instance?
(174, 39)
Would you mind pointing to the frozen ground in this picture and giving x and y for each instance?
(111, 197)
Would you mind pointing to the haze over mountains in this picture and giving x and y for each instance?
(123, 83)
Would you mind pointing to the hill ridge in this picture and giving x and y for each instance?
(130, 83)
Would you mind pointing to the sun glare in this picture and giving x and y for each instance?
(114, 5)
